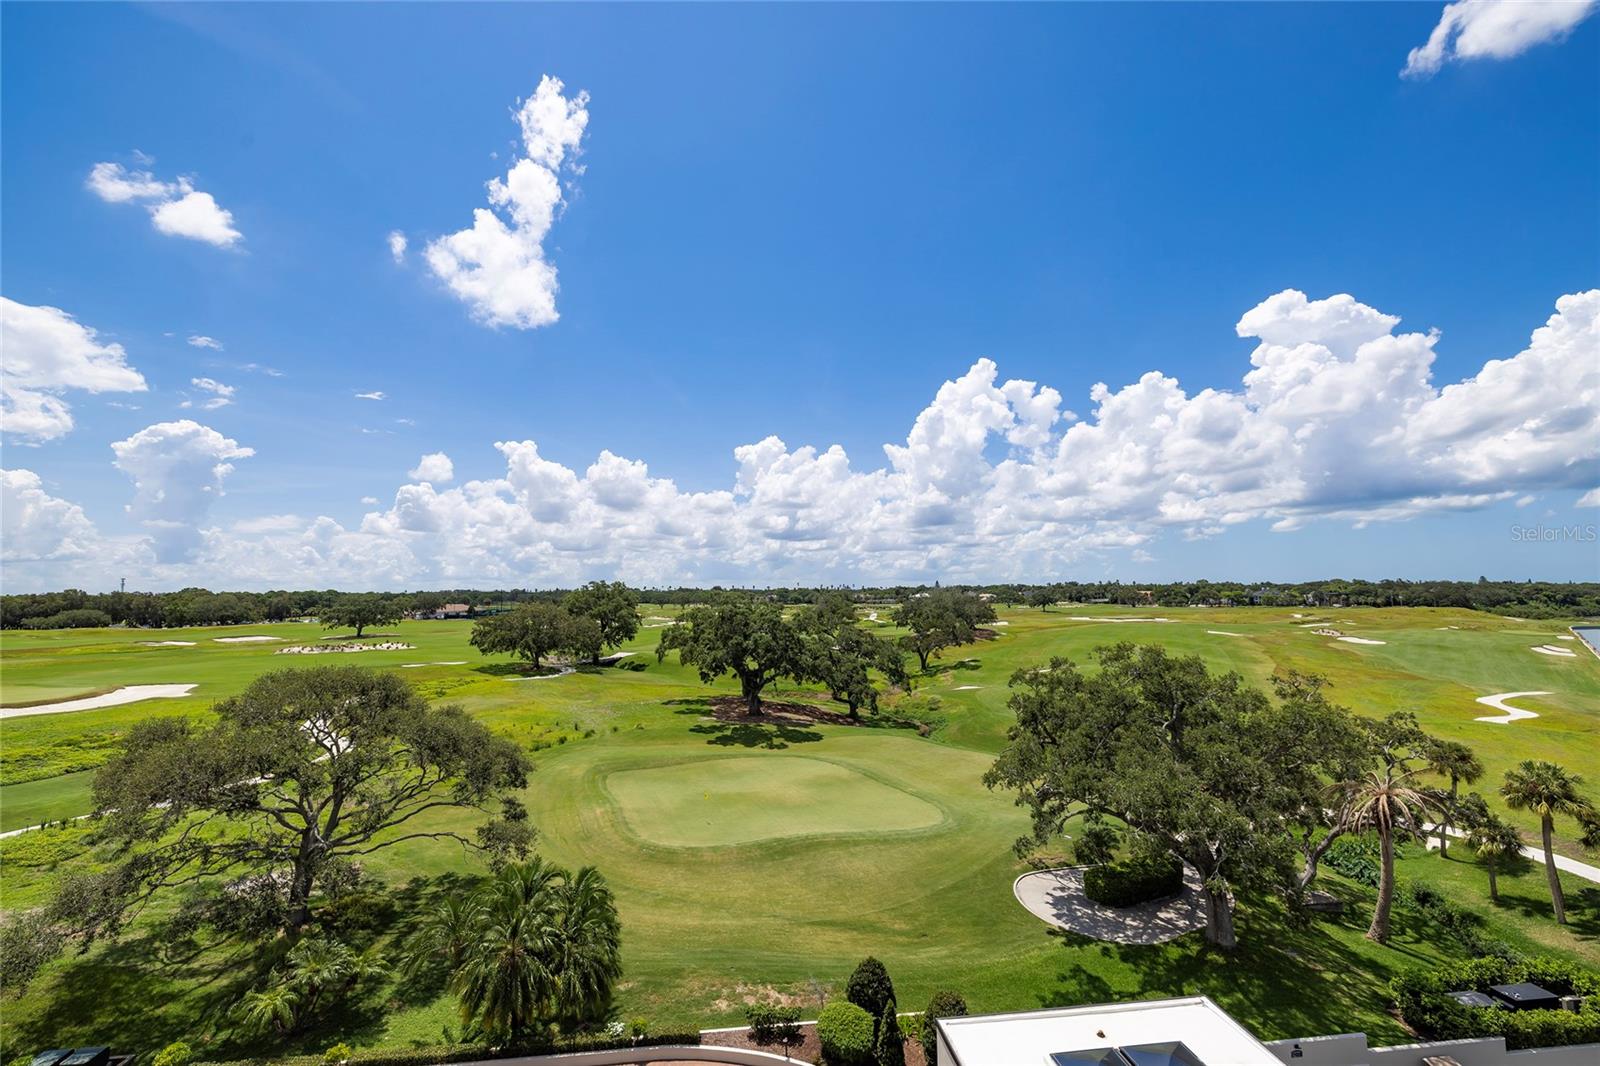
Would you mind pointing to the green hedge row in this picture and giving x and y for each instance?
(1425, 1006)
(1125, 884)
(449, 1053)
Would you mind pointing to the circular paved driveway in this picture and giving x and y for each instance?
(1057, 897)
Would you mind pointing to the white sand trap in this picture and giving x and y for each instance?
(872, 616)
(1550, 649)
(1327, 632)
(1565, 637)
(1309, 625)
(1449, 627)
(1361, 640)
(1008, 623)
(448, 662)
(563, 672)
(1498, 702)
(1109, 618)
(1222, 633)
(343, 649)
(190, 643)
(125, 694)
(965, 688)
(243, 640)
(1297, 614)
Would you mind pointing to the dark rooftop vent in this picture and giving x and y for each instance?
(51, 1058)
(1170, 1053)
(1469, 998)
(88, 1056)
(1526, 996)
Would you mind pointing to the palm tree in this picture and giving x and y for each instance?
(587, 956)
(446, 932)
(1494, 839)
(1385, 801)
(1547, 790)
(1452, 759)
(273, 1007)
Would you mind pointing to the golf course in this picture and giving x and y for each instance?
(757, 860)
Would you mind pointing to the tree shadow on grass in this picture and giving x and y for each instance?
(778, 726)
(1583, 908)
(754, 734)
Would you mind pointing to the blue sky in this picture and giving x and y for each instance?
(800, 222)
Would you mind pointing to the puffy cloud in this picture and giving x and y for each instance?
(176, 208)
(35, 525)
(435, 467)
(47, 352)
(177, 470)
(201, 341)
(373, 395)
(397, 246)
(498, 267)
(1494, 29)
(1336, 417)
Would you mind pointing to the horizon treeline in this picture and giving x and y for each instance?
(74, 608)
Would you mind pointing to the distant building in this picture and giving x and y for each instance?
(453, 610)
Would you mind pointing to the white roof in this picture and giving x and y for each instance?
(1030, 1038)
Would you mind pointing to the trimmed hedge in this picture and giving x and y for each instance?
(449, 1053)
(1421, 997)
(1125, 884)
(845, 1032)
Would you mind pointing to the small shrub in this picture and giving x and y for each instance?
(890, 1047)
(1096, 845)
(337, 1054)
(1356, 857)
(869, 986)
(1126, 884)
(771, 1025)
(845, 1032)
(175, 1054)
(944, 1004)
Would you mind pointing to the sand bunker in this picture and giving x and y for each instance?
(1109, 618)
(1551, 649)
(965, 688)
(243, 640)
(1512, 714)
(448, 662)
(1008, 623)
(1327, 632)
(1361, 640)
(1565, 637)
(1222, 633)
(178, 643)
(563, 672)
(126, 694)
(335, 649)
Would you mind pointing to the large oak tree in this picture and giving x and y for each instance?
(1198, 766)
(303, 769)
(738, 635)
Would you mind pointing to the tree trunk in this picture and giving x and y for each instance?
(922, 657)
(1379, 929)
(1313, 855)
(1219, 918)
(1444, 818)
(752, 695)
(1546, 824)
(1494, 887)
(300, 888)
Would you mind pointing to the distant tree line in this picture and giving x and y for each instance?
(73, 608)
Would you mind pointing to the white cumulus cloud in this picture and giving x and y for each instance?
(47, 352)
(435, 467)
(397, 246)
(176, 208)
(177, 469)
(35, 525)
(497, 267)
(375, 394)
(220, 395)
(202, 341)
(1494, 29)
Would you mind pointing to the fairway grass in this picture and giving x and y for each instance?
(739, 800)
(753, 860)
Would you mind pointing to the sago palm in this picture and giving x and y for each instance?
(1386, 802)
(505, 979)
(273, 1007)
(1547, 790)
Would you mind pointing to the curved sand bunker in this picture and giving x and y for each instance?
(167, 643)
(1512, 714)
(449, 662)
(126, 694)
(1551, 649)
(243, 640)
(338, 649)
(1361, 640)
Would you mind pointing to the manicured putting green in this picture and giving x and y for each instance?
(713, 802)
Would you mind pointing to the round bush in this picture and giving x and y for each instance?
(845, 1032)
(869, 986)
(944, 1004)
(1125, 884)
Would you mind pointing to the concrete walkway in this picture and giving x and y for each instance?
(1563, 863)
(1057, 897)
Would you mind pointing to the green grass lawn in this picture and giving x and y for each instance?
(751, 859)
